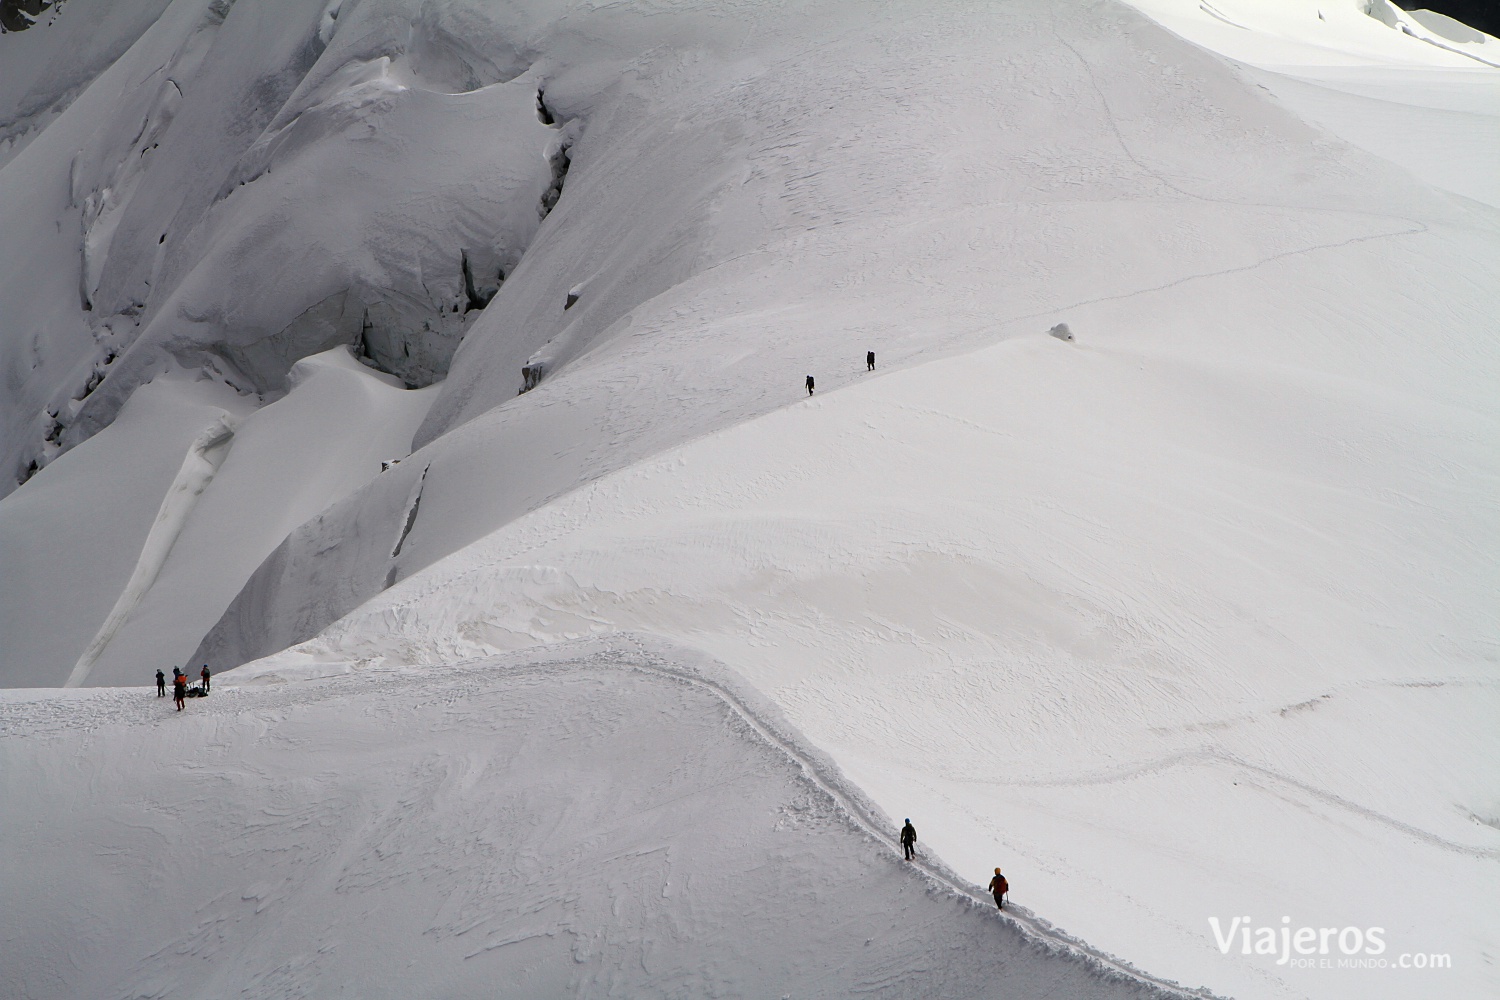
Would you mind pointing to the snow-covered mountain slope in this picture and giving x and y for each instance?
(1370, 74)
(723, 248)
(253, 183)
(471, 833)
(750, 198)
(1204, 591)
(1190, 617)
(45, 71)
(130, 547)
(1348, 33)
(1443, 125)
(70, 542)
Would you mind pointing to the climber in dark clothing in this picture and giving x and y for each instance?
(809, 385)
(869, 360)
(161, 684)
(999, 887)
(204, 675)
(908, 839)
(179, 688)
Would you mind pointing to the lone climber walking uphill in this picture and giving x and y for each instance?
(999, 887)
(908, 839)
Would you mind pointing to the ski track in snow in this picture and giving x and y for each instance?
(859, 812)
(1417, 228)
(626, 552)
(1238, 763)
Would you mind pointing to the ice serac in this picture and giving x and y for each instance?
(251, 184)
(289, 460)
(46, 70)
(354, 200)
(52, 354)
(1192, 615)
(743, 208)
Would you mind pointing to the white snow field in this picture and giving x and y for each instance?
(1189, 621)
(473, 833)
(1428, 101)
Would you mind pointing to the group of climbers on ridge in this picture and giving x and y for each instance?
(180, 685)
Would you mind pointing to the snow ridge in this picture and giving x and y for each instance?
(660, 657)
(253, 722)
(653, 654)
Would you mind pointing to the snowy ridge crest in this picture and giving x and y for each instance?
(662, 657)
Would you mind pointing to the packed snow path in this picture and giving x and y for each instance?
(580, 827)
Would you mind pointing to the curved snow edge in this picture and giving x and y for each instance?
(666, 658)
(661, 657)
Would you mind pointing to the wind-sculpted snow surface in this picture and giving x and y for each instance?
(750, 198)
(605, 824)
